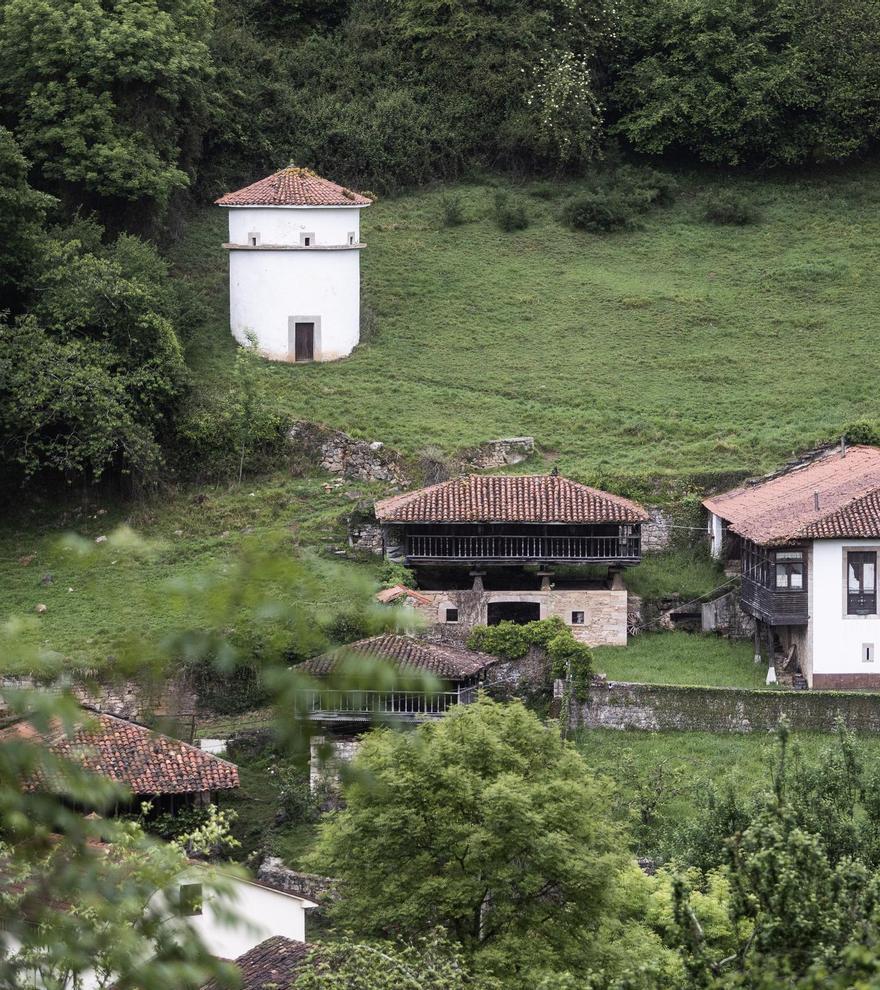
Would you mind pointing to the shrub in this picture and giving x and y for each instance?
(726, 208)
(296, 801)
(618, 197)
(509, 214)
(510, 641)
(571, 659)
(392, 573)
(600, 212)
(451, 212)
(862, 432)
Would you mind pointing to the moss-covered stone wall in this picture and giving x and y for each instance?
(620, 705)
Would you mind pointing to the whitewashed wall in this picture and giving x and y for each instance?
(283, 225)
(266, 288)
(837, 638)
(262, 913)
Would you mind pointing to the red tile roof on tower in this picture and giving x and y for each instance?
(453, 663)
(525, 498)
(146, 761)
(293, 186)
(271, 965)
(783, 508)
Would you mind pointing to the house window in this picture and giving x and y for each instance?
(452, 615)
(253, 238)
(307, 240)
(789, 577)
(190, 899)
(867, 652)
(577, 618)
(861, 582)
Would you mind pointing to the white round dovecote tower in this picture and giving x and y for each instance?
(294, 265)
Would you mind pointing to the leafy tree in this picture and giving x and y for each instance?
(107, 99)
(91, 373)
(763, 81)
(22, 212)
(485, 823)
(429, 963)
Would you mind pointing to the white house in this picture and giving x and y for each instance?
(243, 913)
(294, 265)
(808, 539)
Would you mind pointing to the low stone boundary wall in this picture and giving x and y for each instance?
(622, 705)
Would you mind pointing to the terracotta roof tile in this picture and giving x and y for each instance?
(388, 595)
(782, 508)
(453, 663)
(527, 498)
(271, 965)
(146, 761)
(293, 186)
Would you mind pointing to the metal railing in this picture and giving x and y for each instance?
(499, 547)
(412, 704)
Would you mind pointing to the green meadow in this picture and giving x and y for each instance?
(681, 347)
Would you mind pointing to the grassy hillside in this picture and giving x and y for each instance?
(679, 347)
(122, 592)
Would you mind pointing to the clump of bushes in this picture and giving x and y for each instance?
(568, 657)
(451, 212)
(618, 198)
(728, 209)
(509, 213)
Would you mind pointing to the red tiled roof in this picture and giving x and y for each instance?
(453, 663)
(271, 965)
(527, 498)
(782, 508)
(293, 186)
(388, 595)
(145, 761)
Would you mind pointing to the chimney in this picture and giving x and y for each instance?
(816, 501)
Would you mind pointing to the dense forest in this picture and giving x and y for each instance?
(117, 115)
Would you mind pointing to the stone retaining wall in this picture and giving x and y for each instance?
(621, 705)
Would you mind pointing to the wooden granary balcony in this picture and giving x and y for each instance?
(484, 548)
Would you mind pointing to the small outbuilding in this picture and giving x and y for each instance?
(294, 265)
(168, 772)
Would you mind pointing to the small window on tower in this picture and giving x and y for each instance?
(867, 652)
(253, 239)
(577, 618)
(351, 237)
(307, 240)
(452, 615)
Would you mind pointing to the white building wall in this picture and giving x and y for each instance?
(262, 913)
(284, 224)
(716, 535)
(838, 638)
(267, 288)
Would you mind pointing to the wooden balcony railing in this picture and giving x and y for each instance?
(359, 705)
(536, 548)
(779, 608)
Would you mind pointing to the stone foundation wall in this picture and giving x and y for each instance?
(339, 453)
(326, 758)
(657, 531)
(619, 705)
(273, 873)
(499, 453)
(605, 612)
